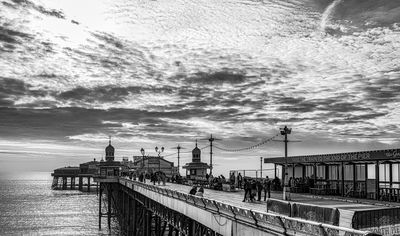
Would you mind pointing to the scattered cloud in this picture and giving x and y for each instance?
(151, 78)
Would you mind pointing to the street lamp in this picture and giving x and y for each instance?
(285, 131)
(159, 151)
(142, 151)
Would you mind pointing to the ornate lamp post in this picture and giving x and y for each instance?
(285, 131)
(142, 151)
(261, 159)
(159, 151)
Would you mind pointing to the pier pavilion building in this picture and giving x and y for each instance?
(109, 168)
(152, 164)
(73, 177)
(196, 169)
(367, 174)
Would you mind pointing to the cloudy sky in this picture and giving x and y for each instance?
(162, 73)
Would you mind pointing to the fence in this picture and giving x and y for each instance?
(257, 173)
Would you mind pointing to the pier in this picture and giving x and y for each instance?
(147, 209)
(81, 178)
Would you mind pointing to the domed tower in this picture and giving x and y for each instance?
(109, 151)
(196, 154)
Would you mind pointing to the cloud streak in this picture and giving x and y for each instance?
(150, 78)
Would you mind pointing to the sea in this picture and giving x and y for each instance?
(28, 206)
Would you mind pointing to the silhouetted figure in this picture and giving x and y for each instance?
(247, 189)
(253, 190)
(277, 183)
(200, 192)
(267, 188)
(141, 177)
(239, 179)
(259, 187)
(153, 178)
(163, 177)
(158, 177)
(193, 191)
(232, 179)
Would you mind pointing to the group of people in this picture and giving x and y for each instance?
(215, 182)
(253, 188)
(158, 177)
(198, 193)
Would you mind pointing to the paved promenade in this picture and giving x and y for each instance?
(236, 198)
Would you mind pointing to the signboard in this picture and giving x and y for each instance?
(391, 154)
(153, 161)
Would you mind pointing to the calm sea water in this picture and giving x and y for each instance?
(28, 206)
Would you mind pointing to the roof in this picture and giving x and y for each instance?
(375, 155)
(66, 171)
(90, 163)
(152, 157)
(110, 147)
(68, 168)
(196, 165)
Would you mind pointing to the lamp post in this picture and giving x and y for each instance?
(142, 151)
(261, 167)
(285, 131)
(159, 151)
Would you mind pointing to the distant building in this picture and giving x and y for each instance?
(110, 152)
(91, 167)
(152, 164)
(109, 168)
(196, 169)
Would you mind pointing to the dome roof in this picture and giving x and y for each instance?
(196, 149)
(109, 148)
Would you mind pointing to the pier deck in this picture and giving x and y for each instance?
(366, 215)
(224, 213)
(237, 197)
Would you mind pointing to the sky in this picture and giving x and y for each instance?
(163, 73)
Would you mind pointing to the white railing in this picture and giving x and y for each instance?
(264, 220)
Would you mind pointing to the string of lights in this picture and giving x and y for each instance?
(248, 148)
(184, 152)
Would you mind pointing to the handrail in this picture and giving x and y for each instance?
(253, 217)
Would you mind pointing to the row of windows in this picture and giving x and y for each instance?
(335, 172)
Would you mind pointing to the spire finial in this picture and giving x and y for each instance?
(109, 139)
(196, 142)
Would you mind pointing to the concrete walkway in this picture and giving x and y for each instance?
(236, 198)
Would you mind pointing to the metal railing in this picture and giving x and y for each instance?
(265, 221)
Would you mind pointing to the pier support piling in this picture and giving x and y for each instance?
(80, 184)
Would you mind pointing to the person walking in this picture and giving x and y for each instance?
(253, 190)
(239, 179)
(153, 178)
(267, 188)
(163, 178)
(158, 177)
(259, 189)
(247, 189)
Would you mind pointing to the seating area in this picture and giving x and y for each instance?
(389, 194)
